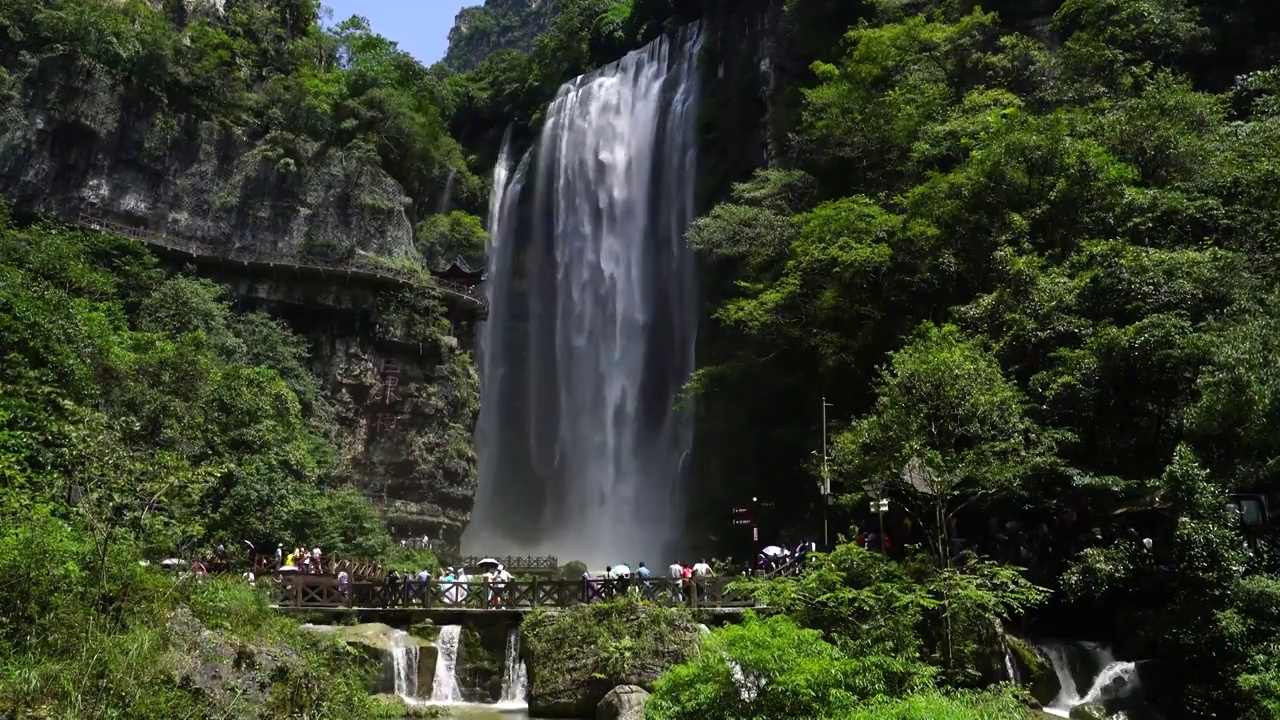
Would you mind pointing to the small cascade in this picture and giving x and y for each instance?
(515, 679)
(446, 199)
(1010, 667)
(1107, 679)
(404, 657)
(444, 689)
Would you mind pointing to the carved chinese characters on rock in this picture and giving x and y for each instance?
(388, 391)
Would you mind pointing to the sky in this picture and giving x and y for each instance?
(421, 27)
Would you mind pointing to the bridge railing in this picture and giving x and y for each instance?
(319, 592)
(196, 248)
(513, 563)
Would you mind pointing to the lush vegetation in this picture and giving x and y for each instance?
(1034, 275)
(90, 632)
(859, 635)
(141, 418)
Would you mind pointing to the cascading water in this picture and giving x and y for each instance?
(593, 319)
(444, 687)
(404, 659)
(446, 197)
(515, 679)
(1109, 679)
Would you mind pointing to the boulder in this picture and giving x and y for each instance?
(1034, 670)
(234, 677)
(625, 702)
(575, 657)
(1089, 711)
(373, 640)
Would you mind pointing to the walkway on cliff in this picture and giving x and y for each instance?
(371, 270)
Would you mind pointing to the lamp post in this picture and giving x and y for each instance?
(826, 477)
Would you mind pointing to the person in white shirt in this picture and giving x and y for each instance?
(701, 571)
(460, 590)
(676, 571)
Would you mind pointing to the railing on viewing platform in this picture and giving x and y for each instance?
(323, 592)
(512, 563)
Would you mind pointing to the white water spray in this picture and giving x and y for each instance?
(1113, 679)
(404, 659)
(515, 679)
(444, 687)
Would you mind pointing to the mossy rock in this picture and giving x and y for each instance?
(425, 630)
(1037, 674)
(577, 656)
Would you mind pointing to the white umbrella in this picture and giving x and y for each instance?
(621, 571)
(287, 569)
(488, 561)
(773, 551)
(172, 562)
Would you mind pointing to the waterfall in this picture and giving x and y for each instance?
(404, 658)
(444, 688)
(1010, 667)
(446, 198)
(1109, 679)
(583, 443)
(515, 679)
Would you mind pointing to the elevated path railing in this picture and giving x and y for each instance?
(363, 269)
(321, 592)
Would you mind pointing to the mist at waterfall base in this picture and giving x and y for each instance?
(583, 443)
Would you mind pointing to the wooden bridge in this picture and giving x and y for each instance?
(364, 269)
(320, 592)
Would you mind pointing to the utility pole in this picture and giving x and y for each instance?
(826, 478)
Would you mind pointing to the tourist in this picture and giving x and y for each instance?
(279, 554)
(344, 582)
(249, 578)
(643, 574)
(686, 582)
(701, 571)
(676, 572)
(500, 579)
(460, 588)
(446, 585)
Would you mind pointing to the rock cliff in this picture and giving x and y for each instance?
(404, 389)
(497, 25)
(74, 138)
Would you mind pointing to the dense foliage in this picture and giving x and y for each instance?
(858, 635)
(141, 418)
(88, 632)
(1034, 274)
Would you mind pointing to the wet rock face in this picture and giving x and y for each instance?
(1089, 711)
(73, 139)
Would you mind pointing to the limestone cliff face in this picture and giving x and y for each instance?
(497, 25)
(72, 139)
(403, 388)
(407, 417)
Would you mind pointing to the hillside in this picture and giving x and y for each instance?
(497, 25)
